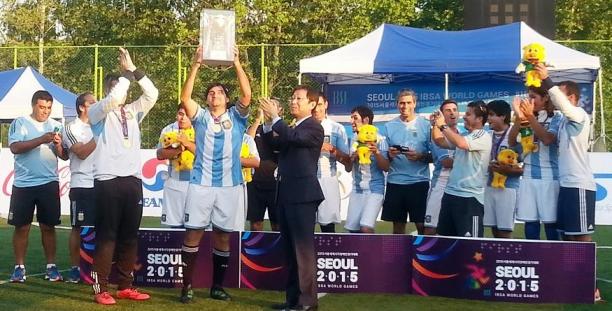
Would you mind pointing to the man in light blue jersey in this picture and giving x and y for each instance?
(409, 152)
(78, 139)
(334, 149)
(215, 190)
(368, 192)
(175, 186)
(539, 188)
(576, 210)
(500, 202)
(36, 142)
(443, 163)
(462, 204)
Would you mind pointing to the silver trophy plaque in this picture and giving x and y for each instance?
(218, 36)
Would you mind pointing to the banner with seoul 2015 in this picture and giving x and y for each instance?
(154, 174)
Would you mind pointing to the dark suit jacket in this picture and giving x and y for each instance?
(299, 149)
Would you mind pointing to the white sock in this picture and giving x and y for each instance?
(20, 266)
(50, 265)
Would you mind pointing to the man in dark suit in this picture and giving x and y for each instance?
(298, 192)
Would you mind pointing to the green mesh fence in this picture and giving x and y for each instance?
(273, 71)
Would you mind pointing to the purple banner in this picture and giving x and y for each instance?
(345, 263)
(159, 261)
(483, 269)
(504, 270)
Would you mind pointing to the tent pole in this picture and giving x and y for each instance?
(445, 85)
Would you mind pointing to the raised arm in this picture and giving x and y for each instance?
(243, 82)
(559, 100)
(98, 111)
(540, 132)
(190, 106)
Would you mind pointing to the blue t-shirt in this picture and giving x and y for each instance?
(415, 135)
(218, 144)
(39, 165)
(468, 176)
(368, 178)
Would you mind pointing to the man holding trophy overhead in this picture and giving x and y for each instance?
(215, 190)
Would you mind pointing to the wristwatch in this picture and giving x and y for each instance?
(443, 127)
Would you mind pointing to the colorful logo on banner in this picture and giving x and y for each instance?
(154, 169)
(602, 191)
(88, 246)
(511, 270)
(262, 255)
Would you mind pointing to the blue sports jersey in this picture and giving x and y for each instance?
(39, 165)
(415, 135)
(368, 178)
(218, 143)
(336, 136)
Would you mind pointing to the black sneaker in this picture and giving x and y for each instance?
(219, 293)
(187, 294)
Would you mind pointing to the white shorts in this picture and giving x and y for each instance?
(434, 202)
(363, 209)
(537, 200)
(216, 206)
(499, 208)
(329, 209)
(241, 211)
(173, 203)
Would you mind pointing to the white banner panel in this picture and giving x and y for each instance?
(154, 174)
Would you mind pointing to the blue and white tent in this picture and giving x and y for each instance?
(17, 87)
(463, 65)
(391, 53)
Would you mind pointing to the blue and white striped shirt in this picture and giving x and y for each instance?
(544, 163)
(218, 144)
(335, 134)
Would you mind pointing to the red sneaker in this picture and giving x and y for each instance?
(132, 293)
(104, 298)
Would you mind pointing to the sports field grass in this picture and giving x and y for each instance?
(38, 294)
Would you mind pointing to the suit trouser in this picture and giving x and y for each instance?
(297, 222)
(119, 211)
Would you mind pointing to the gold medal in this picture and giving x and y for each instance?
(127, 143)
(216, 127)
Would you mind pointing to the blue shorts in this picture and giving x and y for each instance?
(576, 211)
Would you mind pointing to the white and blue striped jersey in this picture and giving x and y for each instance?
(218, 144)
(468, 176)
(438, 154)
(544, 163)
(368, 178)
(335, 134)
(415, 135)
(183, 175)
(574, 168)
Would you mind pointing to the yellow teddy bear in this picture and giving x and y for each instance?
(506, 157)
(533, 54)
(366, 134)
(184, 162)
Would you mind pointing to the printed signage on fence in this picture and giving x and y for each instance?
(504, 270)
